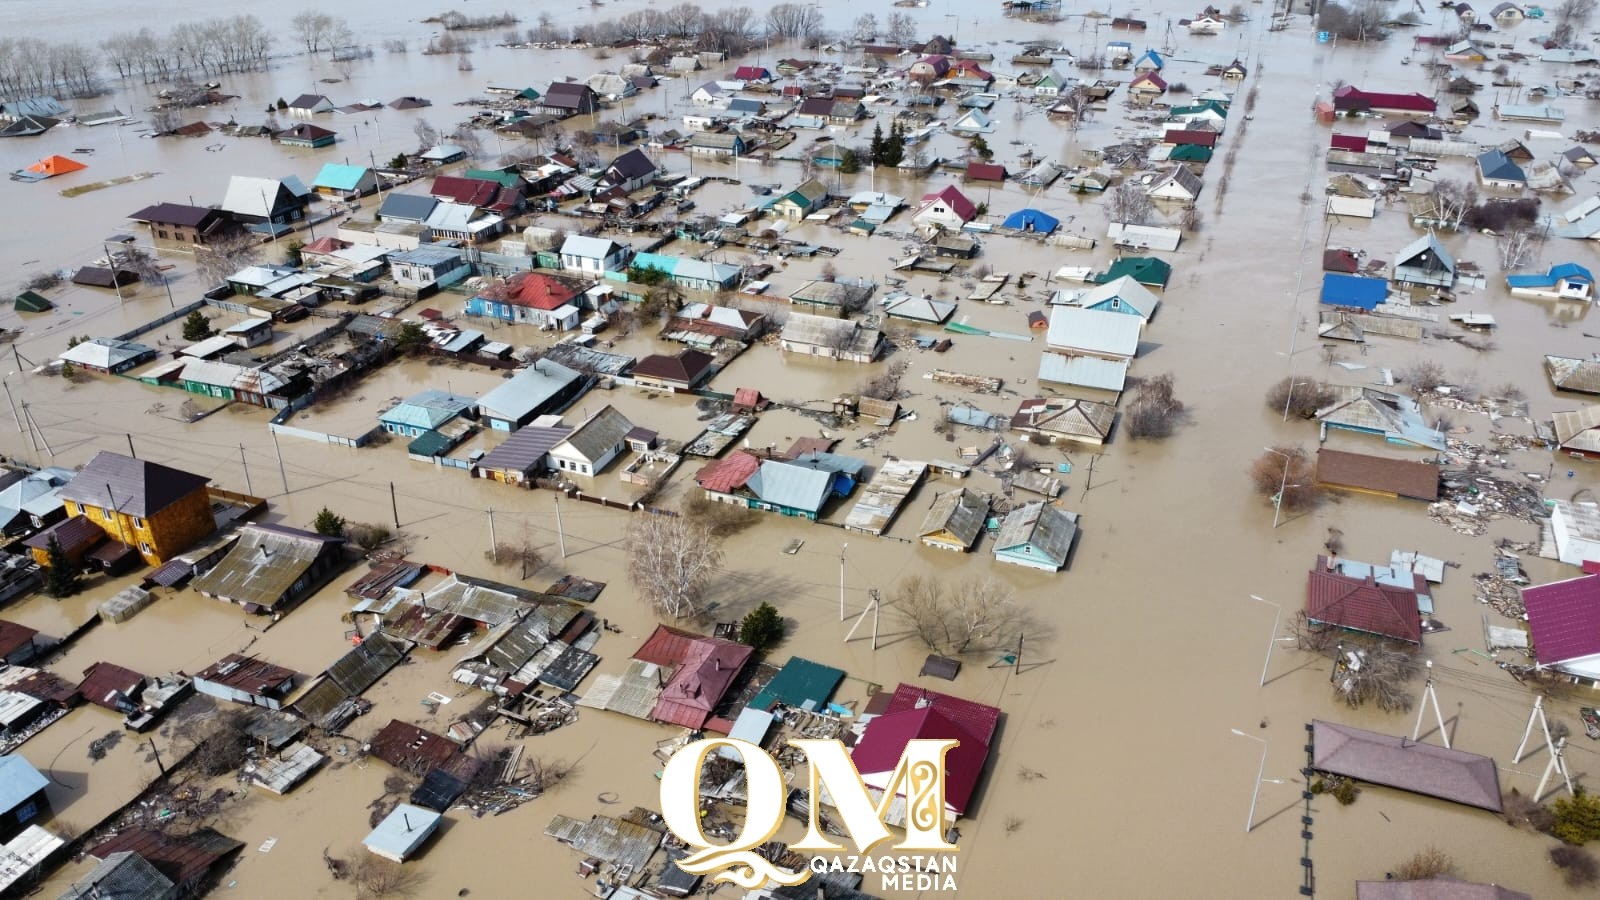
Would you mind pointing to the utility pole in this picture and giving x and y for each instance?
(247, 489)
(111, 262)
(157, 754)
(561, 533)
(281, 473)
(18, 418)
(129, 436)
(394, 505)
(841, 580)
(34, 427)
(494, 546)
(1429, 696)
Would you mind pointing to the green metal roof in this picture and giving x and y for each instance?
(430, 443)
(1190, 153)
(801, 683)
(28, 301)
(1146, 270)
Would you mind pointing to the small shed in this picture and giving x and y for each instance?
(403, 832)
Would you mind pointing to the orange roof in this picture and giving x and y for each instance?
(52, 166)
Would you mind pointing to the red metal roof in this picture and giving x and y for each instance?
(705, 668)
(1362, 604)
(246, 673)
(1564, 618)
(1149, 78)
(986, 172)
(725, 476)
(1355, 142)
(103, 680)
(535, 290)
(1187, 136)
(324, 245)
(1351, 97)
(180, 858)
(471, 191)
(940, 716)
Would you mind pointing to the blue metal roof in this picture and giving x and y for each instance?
(791, 486)
(19, 780)
(1496, 165)
(1351, 290)
(340, 177)
(1571, 272)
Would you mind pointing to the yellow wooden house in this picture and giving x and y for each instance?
(158, 510)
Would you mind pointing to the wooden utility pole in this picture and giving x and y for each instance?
(247, 489)
(131, 452)
(561, 533)
(394, 505)
(494, 546)
(157, 754)
(279, 450)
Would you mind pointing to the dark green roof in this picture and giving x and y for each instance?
(28, 301)
(430, 443)
(504, 179)
(798, 683)
(1146, 270)
(1190, 153)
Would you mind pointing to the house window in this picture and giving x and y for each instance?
(161, 233)
(144, 547)
(27, 811)
(138, 522)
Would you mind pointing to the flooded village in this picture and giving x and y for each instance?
(421, 423)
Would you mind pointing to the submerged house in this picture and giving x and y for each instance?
(1577, 432)
(1123, 296)
(946, 208)
(831, 338)
(160, 510)
(272, 568)
(1048, 420)
(916, 713)
(1362, 604)
(531, 298)
(425, 411)
(1567, 281)
(1037, 535)
(260, 201)
(1497, 170)
(803, 486)
(246, 679)
(1397, 418)
(1570, 374)
(955, 520)
(591, 446)
(1425, 263)
(544, 388)
(1564, 623)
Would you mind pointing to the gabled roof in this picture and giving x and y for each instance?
(305, 131)
(1047, 529)
(470, 191)
(917, 713)
(259, 196)
(1395, 416)
(1126, 292)
(629, 166)
(1564, 619)
(703, 670)
(792, 486)
(1362, 604)
(1440, 887)
(535, 290)
(176, 214)
(726, 475)
(528, 390)
(1146, 270)
(598, 434)
(1496, 165)
(125, 876)
(1416, 254)
(1148, 79)
(1339, 289)
(310, 101)
(685, 366)
(1576, 429)
(1031, 220)
(246, 673)
(137, 487)
(589, 247)
(1179, 176)
(182, 859)
(428, 409)
(19, 780)
(410, 207)
(952, 197)
(960, 512)
(103, 683)
(264, 565)
(1351, 97)
(1094, 331)
(1404, 477)
(1569, 374)
(1066, 415)
(526, 446)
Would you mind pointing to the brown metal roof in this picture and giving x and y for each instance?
(1398, 762)
(686, 367)
(181, 858)
(134, 486)
(248, 674)
(103, 681)
(1404, 477)
(14, 637)
(73, 534)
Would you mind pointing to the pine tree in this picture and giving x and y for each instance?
(197, 327)
(61, 578)
(894, 148)
(762, 627)
(877, 150)
(329, 523)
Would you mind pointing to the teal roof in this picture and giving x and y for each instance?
(340, 177)
(430, 443)
(1190, 153)
(504, 179)
(428, 409)
(800, 683)
(667, 264)
(1146, 270)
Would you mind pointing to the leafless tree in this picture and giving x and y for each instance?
(376, 877)
(1290, 470)
(671, 561)
(427, 135)
(1365, 670)
(1571, 20)
(721, 519)
(1425, 376)
(1127, 204)
(971, 616)
(1155, 410)
(222, 257)
(1516, 248)
(1453, 198)
(165, 120)
(1300, 396)
(901, 29)
(865, 29)
(793, 21)
(316, 29)
(521, 553)
(1430, 862)
(885, 385)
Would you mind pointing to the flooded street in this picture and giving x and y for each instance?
(1114, 758)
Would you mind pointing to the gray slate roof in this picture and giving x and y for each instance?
(1049, 529)
(123, 876)
(526, 446)
(960, 512)
(527, 390)
(602, 431)
(134, 486)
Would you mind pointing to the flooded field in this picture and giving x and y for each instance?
(1114, 758)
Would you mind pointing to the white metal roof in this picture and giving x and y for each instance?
(1095, 332)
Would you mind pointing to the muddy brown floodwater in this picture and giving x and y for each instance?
(1148, 649)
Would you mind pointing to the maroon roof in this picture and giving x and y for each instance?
(1362, 604)
(1397, 762)
(986, 172)
(1437, 888)
(306, 131)
(1340, 261)
(1404, 477)
(245, 673)
(805, 445)
(1564, 619)
(103, 681)
(705, 667)
(1354, 142)
(181, 858)
(471, 191)
(177, 214)
(953, 198)
(815, 106)
(1191, 136)
(49, 687)
(1350, 97)
(729, 473)
(686, 367)
(917, 713)
(14, 637)
(74, 534)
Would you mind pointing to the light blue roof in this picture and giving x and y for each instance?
(831, 462)
(426, 255)
(1083, 371)
(1496, 165)
(1153, 57)
(399, 835)
(795, 487)
(429, 409)
(527, 390)
(752, 725)
(340, 177)
(19, 780)
(1042, 223)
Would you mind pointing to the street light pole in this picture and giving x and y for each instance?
(1271, 639)
(1261, 772)
(1283, 485)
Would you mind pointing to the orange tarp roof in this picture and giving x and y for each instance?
(56, 165)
